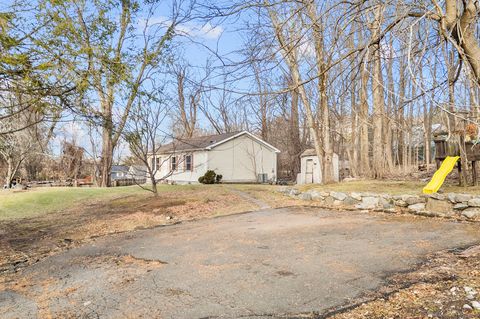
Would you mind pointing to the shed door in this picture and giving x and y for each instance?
(309, 171)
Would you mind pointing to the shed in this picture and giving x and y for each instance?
(311, 172)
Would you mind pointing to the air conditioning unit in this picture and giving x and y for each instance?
(262, 178)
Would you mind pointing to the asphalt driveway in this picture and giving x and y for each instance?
(264, 264)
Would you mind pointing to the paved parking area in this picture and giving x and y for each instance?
(264, 264)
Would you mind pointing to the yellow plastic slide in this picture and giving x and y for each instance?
(439, 177)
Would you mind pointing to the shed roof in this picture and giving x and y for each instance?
(310, 152)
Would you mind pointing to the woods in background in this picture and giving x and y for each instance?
(371, 81)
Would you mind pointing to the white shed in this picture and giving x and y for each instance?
(311, 172)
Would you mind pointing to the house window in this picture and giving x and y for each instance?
(173, 161)
(188, 162)
(157, 163)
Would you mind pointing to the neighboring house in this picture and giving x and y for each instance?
(137, 172)
(311, 172)
(239, 157)
(119, 172)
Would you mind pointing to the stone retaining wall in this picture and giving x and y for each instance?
(451, 205)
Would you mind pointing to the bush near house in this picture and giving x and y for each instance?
(210, 177)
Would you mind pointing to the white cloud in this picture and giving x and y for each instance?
(306, 48)
(204, 31)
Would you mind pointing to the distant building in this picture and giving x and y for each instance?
(119, 172)
(137, 172)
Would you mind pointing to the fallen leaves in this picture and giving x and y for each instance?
(443, 287)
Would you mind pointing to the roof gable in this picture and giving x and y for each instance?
(208, 142)
(194, 143)
(273, 148)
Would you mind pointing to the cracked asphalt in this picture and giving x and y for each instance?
(266, 264)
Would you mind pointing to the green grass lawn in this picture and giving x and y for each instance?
(37, 201)
(43, 200)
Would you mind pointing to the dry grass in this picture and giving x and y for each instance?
(389, 187)
(270, 195)
(64, 220)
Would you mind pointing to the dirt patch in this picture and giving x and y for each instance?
(119, 261)
(26, 241)
(271, 196)
(285, 273)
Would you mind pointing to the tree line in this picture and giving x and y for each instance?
(369, 80)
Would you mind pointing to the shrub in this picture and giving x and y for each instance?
(210, 177)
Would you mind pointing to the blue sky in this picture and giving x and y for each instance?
(196, 40)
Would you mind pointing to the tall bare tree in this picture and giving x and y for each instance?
(96, 43)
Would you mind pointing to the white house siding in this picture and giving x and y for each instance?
(242, 159)
(200, 159)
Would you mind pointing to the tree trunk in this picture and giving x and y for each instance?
(363, 113)
(154, 185)
(410, 149)
(378, 115)
(328, 174)
(387, 123)
(427, 128)
(10, 174)
(188, 121)
(401, 147)
(296, 147)
(378, 163)
(263, 112)
(318, 37)
(363, 118)
(354, 137)
(289, 54)
(12, 169)
(107, 153)
(461, 24)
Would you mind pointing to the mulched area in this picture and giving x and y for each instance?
(446, 286)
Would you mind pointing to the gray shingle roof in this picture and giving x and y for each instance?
(119, 168)
(194, 143)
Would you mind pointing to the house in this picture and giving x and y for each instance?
(310, 168)
(119, 172)
(137, 172)
(240, 157)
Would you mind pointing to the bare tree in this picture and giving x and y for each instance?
(16, 146)
(189, 94)
(118, 57)
(144, 135)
